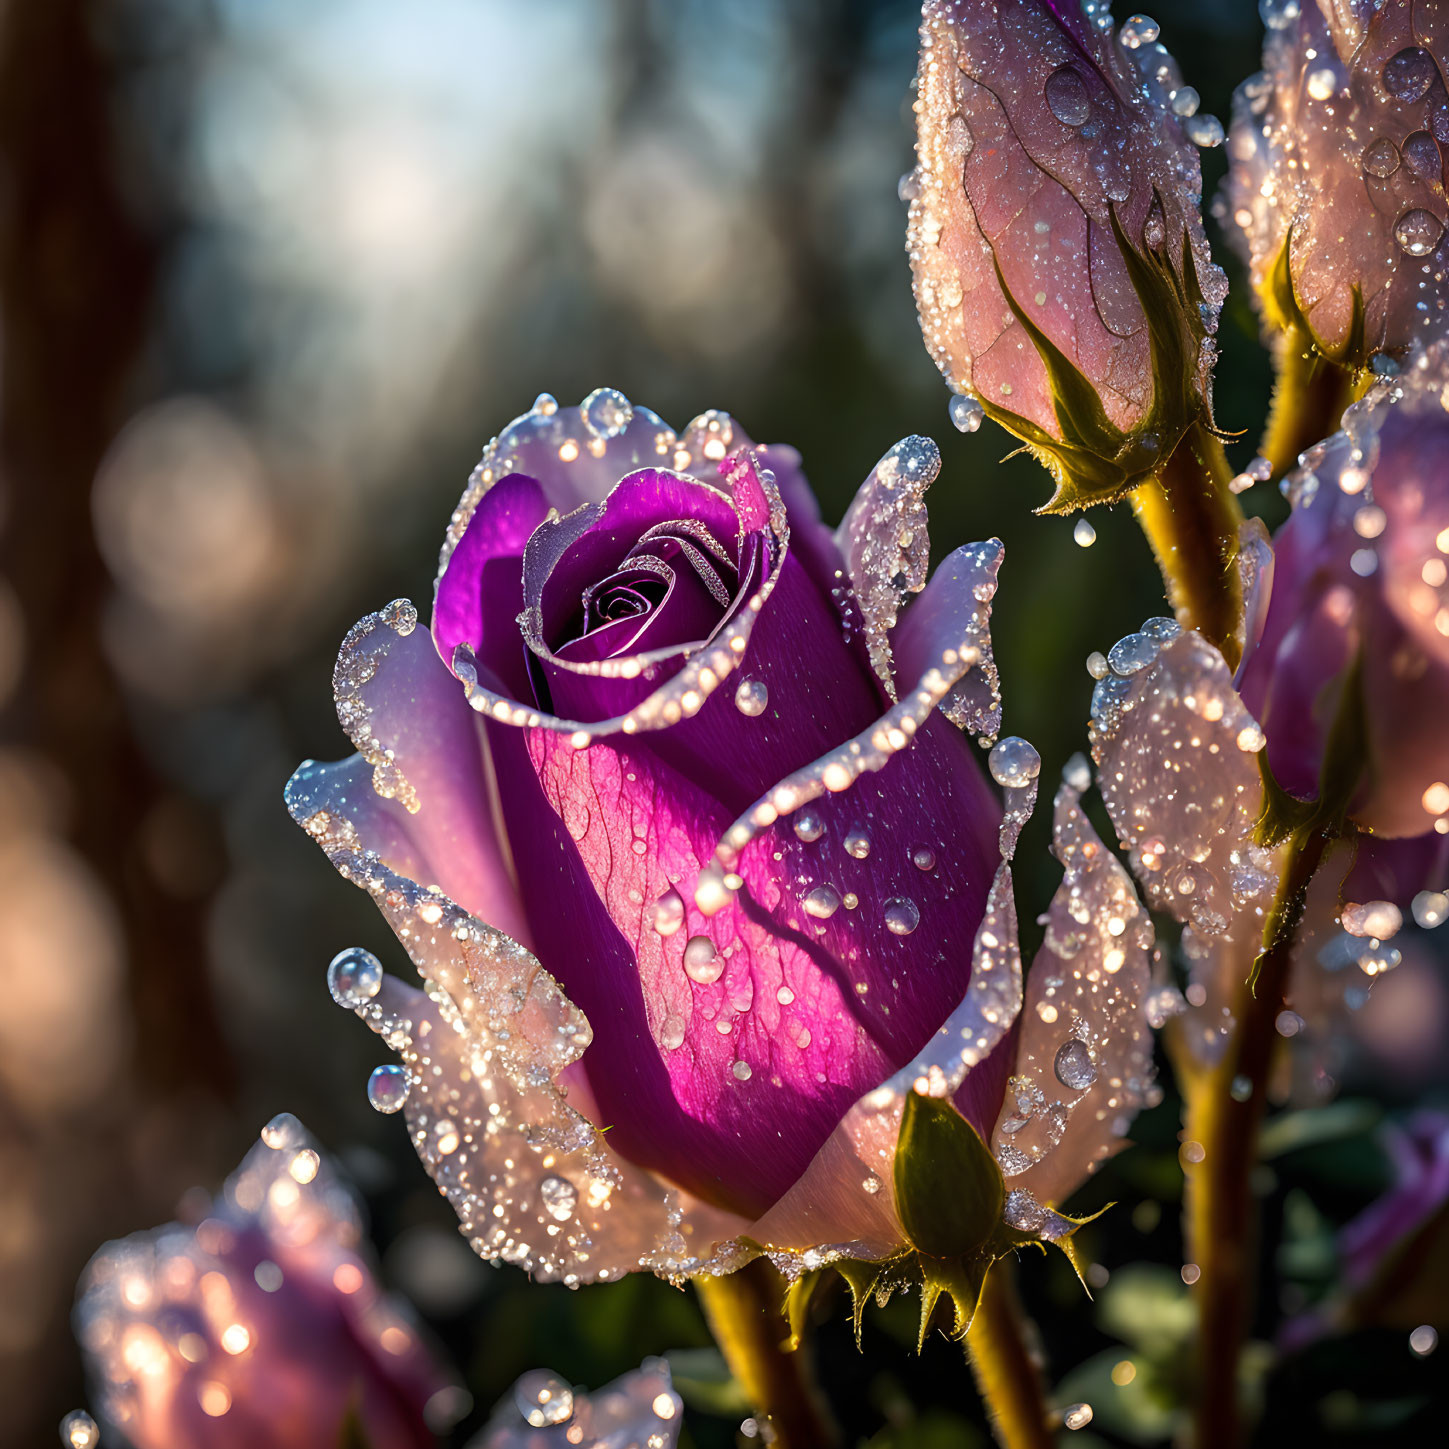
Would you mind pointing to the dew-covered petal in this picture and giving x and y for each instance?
(1036, 134)
(1336, 184)
(1084, 1047)
(532, 1181)
(417, 792)
(262, 1324)
(1177, 764)
(543, 1412)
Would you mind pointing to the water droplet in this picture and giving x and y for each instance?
(1084, 535)
(354, 977)
(607, 412)
(1431, 908)
(702, 963)
(669, 912)
(1077, 773)
(1424, 1340)
(742, 1071)
(283, 1131)
(1380, 919)
(752, 697)
(387, 1088)
(1138, 30)
(1097, 665)
(902, 915)
(857, 843)
(1421, 151)
(543, 1399)
(1073, 1065)
(871, 1183)
(1132, 654)
(671, 1033)
(1185, 101)
(1418, 231)
(1066, 96)
(822, 902)
(1251, 739)
(1202, 130)
(559, 1198)
(446, 1138)
(1322, 84)
(78, 1430)
(1409, 74)
(1077, 1416)
(1014, 762)
(966, 413)
(808, 825)
(923, 858)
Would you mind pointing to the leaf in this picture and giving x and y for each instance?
(949, 1189)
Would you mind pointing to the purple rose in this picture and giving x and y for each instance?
(1336, 186)
(1360, 591)
(263, 1324)
(691, 760)
(1061, 270)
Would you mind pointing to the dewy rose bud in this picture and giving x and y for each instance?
(1336, 184)
(719, 788)
(261, 1325)
(1360, 596)
(1061, 271)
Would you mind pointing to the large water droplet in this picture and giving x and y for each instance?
(1077, 1416)
(902, 915)
(702, 963)
(283, 1131)
(822, 902)
(559, 1198)
(671, 1033)
(808, 825)
(1066, 96)
(857, 843)
(1014, 762)
(1132, 654)
(607, 412)
(923, 858)
(387, 1088)
(669, 912)
(1418, 231)
(1431, 908)
(354, 977)
(543, 1399)
(1138, 30)
(1203, 130)
(1074, 1066)
(966, 413)
(1185, 101)
(752, 697)
(78, 1430)
(1381, 157)
(1421, 151)
(1409, 74)
(1084, 535)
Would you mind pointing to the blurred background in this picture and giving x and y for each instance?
(271, 274)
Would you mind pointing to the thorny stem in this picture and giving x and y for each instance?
(1309, 397)
(1191, 519)
(1007, 1370)
(1220, 1219)
(745, 1310)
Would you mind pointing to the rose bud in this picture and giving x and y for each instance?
(1336, 185)
(1061, 270)
(1356, 632)
(263, 1324)
(544, 1412)
(690, 847)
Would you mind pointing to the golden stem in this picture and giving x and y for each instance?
(1191, 519)
(1007, 1370)
(746, 1314)
(1309, 396)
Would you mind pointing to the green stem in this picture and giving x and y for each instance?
(1224, 1113)
(1309, 396)
(1191, 519)
(1007, 1370)
(746, 1314)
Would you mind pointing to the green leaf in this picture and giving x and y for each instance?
(949, 1189)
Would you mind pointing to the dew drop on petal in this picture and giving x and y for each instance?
(1132, 654)
(752, 697)
(923, 858)
(742, 1071)
(857, 843)
(902, 915)
(1409, 73)
(669, 912)
(559, 1198)
(1380, 919)
(78, 1430)
(1205, 131)
(1431, 908)
(1418, 231)
(387, 1088)
(822, 902)
(1066, 96)
(671, 1033)
(1097, 665)
(702, 963)
(1380, 158)
(1138, 30)
(283, 1131)
(354, 977)
(1185, 101)
(1084, 534)
(607, 412)
(1014, 762)
(543, 1399)
(1073, 1065)
(966, 413)
(808, 825)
